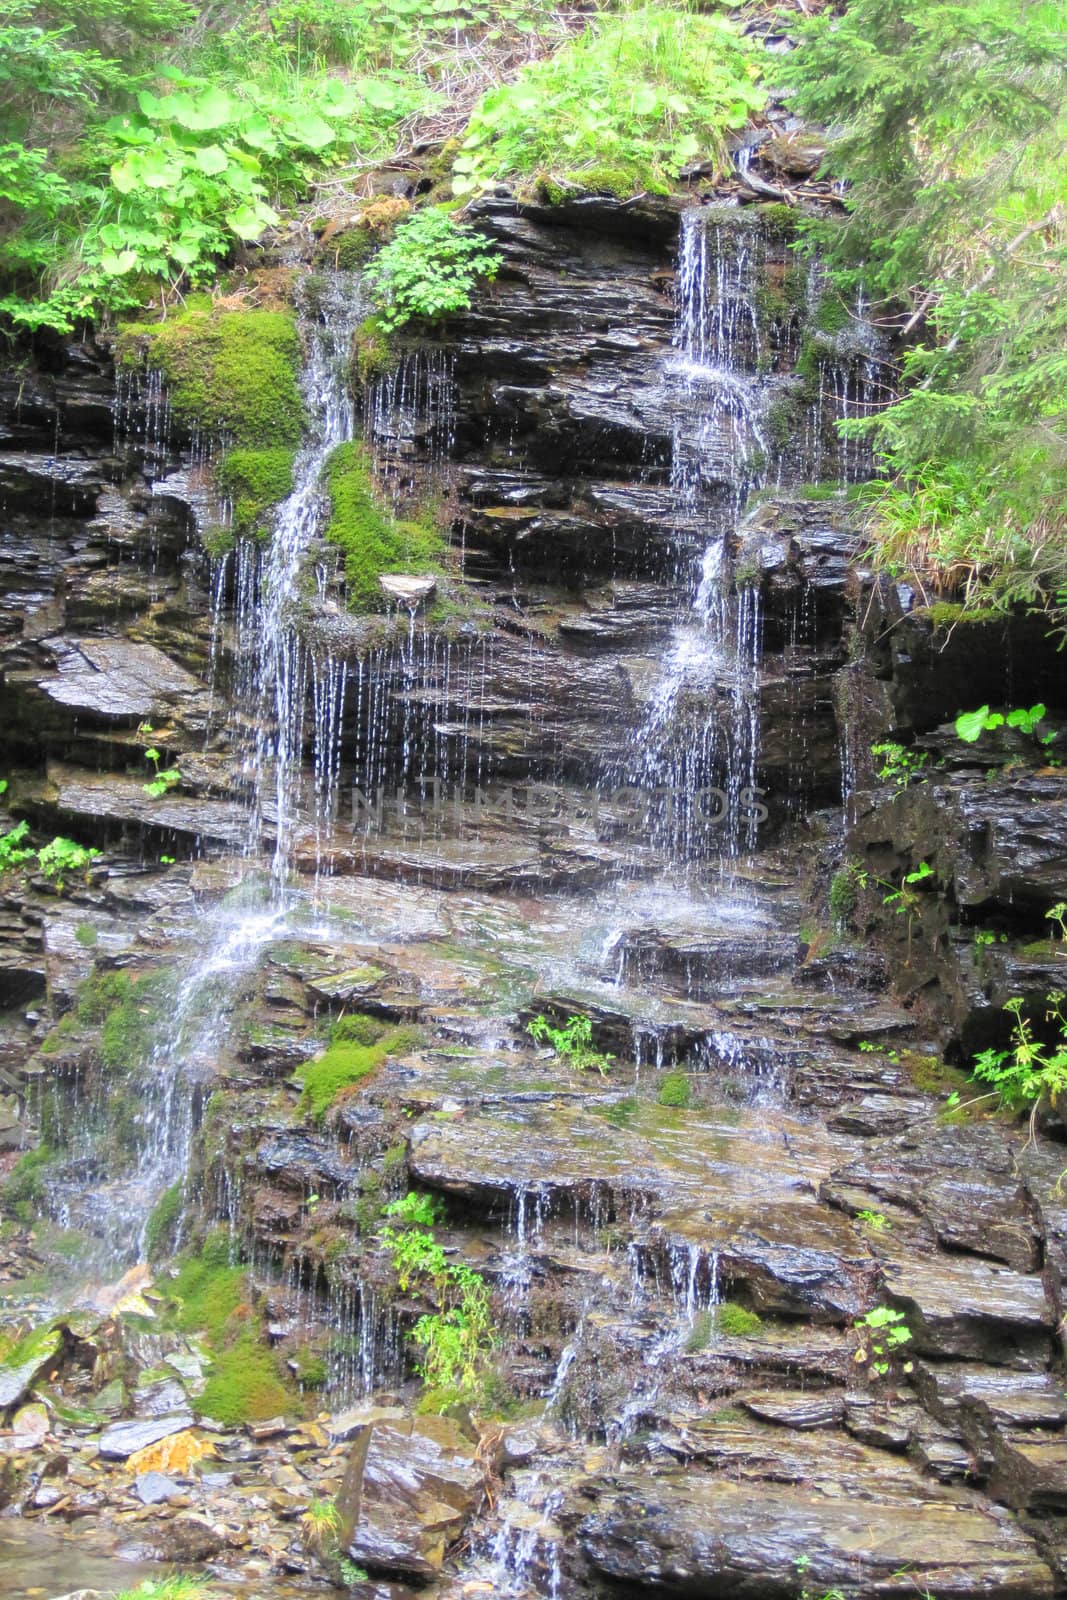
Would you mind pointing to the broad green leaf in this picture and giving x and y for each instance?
(249, 221)
(310, 130)
(124, 176)
(211, 110)
(212, 159)
(970, 725)
(382, 96)
(257, 132)
(118, 263)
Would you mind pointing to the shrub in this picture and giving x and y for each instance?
(429, 269)
(638, 95)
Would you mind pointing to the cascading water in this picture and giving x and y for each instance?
(719, 449)
(273, 676)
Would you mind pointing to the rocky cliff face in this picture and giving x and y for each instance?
(679, 1253)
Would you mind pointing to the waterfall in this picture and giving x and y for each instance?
(274, 672)
(694, 754)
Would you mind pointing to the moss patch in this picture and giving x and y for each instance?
(243, 1385)
(736, 1321)
(253, 481)
(370, 540)
(674, 1090)
(231, 373)
(162, 1227)
(931, 1075)
(358, 1044)
(209, 1290)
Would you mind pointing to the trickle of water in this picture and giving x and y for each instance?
(270, 640)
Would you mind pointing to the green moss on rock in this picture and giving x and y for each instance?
(162, 1227)
(674, 1090)
(371, 541)
(358, 1045)
(736, 1321)
(254, 481)
(373, 352)
(244, 1385)
(230, 373)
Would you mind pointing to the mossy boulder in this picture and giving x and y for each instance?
(253, 481)
(229, 373)
(371, 541)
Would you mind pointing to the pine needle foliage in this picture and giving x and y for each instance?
(949, 127)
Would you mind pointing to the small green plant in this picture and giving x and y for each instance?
(179, 1587)
(985, 937)
(573, 1041)
(321, 1527)
(417, 1210)
(970, 725)
(870, 1048)
(429, 269)
(351, 1573)
(1058, 915)
(62, 857)
(1029, 1071)
(456, 1339)
(884, 1333)
(900, 766)
(901, 898)
(166, 778)
(12, 851)
(166, 861)
(875, 1220)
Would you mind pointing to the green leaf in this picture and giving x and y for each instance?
(249, 221)
(312, 131)
(212, 160)
(256, 131)
(123, 176)
(211, 110)
(970, 725)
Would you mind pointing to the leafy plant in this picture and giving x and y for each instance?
(876, 1220)
(429, 268)
(12, 851)
(573, 1041)
(456, 1339)
(418, 1210)
(61, 857)
(938, 110)
(1029, 1071)
(635, 97)
(1058, 915)
(899, 764)
(970, 725)
(166, 778)
(884, 1333)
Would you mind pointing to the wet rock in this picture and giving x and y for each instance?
(964, 1181)
(408, 592)
(689, 1534)
(791, 1410)
(421, 1483)
(29, 1425)
(116, 678)
(127, 1438)
(958, 1306)
(154, 1488)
